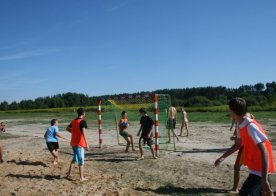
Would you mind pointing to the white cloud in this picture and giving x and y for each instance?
(27, 54)
(119, 6)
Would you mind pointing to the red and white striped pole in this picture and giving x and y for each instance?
(156, 125)
(100, 122)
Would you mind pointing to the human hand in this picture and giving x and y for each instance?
(87, 148)
(267, 189)
(233, 137)
(218, 161)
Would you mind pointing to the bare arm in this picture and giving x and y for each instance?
(139, 131)
(69, 129)
(151, 130)
(265, 182)
(230, 151)
(232, 125)
(85, 139)
(60, 136)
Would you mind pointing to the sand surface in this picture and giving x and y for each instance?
(28, 168)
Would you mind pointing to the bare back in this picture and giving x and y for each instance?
(184, 116)
(172, 113)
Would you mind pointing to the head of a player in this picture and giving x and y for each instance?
(81, 112)
(143, 111)
(237, 107)
(124, 114)
(54, 122)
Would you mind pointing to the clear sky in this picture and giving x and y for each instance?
(99, 47)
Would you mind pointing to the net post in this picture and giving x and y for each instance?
(100, 122)
(156, 124)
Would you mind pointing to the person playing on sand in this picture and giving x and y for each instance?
(239, 159)
(146, 136)
(184, 122)
(123, 125)
(79, 142)
(51, 136)
(2, 127)
(257, 149)
(172, 122)
(1, 154)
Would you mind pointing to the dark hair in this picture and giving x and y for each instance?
(81, 111)
(53, 121)
(123, 113)
(238, 106)
(143, 110)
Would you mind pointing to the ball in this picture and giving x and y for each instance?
(124, 124)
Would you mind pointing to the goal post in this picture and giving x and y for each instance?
(157, 107)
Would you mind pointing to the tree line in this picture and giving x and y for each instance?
(256, 95)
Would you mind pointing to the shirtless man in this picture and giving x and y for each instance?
(184, 122)
(172, 122)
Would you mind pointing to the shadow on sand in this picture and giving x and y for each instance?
(196, 150)
(47, 177)
(171, 190)
(35, 163)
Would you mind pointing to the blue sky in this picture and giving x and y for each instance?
(99, 47)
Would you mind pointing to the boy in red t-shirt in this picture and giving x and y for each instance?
(258, 155)
(79, 142)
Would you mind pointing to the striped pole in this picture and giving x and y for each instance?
(156, 124)
(100, 122)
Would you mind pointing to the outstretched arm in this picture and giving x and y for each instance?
(230, 151)
(60, 136)
(69, 129)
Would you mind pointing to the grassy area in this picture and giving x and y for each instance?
(67, 116)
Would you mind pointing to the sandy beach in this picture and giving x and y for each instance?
(28, 167)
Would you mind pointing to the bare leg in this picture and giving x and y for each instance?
(141, 151)
(131, 141)
(181, 130)
(1, 154)
(169, 135)
(152, 152)
(175, 135)
(82, 178)
(236, 178)
(70, 168)
(187, 128)
(128, 143)
(55, 155)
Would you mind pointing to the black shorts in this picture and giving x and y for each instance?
(252, 185)
(171, 123)
(146, 140)
(52, 146)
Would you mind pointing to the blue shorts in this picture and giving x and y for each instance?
(78, 155)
